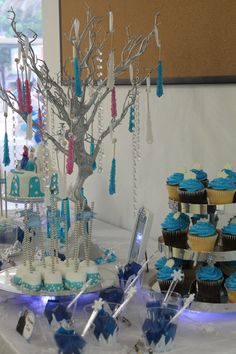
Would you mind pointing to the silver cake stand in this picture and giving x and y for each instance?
(108, 276)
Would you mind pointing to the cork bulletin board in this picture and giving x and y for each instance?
(198, 36)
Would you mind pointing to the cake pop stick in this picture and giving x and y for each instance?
(41, 237)
(131, 292)
(187, 302)
(84, 287)
(90, 231)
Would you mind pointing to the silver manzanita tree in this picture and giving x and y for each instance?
(78, 113)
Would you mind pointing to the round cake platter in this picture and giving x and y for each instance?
(109, 278)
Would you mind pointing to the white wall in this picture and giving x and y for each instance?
(191, 123)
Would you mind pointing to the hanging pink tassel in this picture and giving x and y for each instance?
(70, 158)
(20, 95)
(113, 103)
(28, 107)
(40, 117)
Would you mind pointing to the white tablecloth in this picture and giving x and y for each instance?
(197, 332)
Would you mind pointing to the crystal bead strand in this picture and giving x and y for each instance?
(100, 111)
(137, 123)
(56, 236)
(25, 247)
(76, 235)
(66, 233)
(30, 241)
(52, 232)
(41, 236)
(45, 143)
(14, 150)
(90, 230)
(134, 171)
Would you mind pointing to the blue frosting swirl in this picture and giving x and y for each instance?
(175, 178)
(221, 183)
(160, 263)
(209, 273)
(191, 185)
(165, 273)
(231, 174)
(230, 282)
(202, 228)
(200, 174)
(229, 229)
(172, 224)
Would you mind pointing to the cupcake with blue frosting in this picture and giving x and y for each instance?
(165, 274)
(191, 190)
(209, 282)
(175, 229)
(172, 184)
(201, 175)
(221, 190)
(228, 234)
(202, 236)
(228, 169)
(230, 285)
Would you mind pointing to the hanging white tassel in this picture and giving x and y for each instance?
(158, 43)
(110, 71)
(110, 13)
(76, 28)
(149, 136)
(29, 132)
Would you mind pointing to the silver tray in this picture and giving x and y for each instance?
(203, 209)
(24, 200)
(207, 307)
(109, 278)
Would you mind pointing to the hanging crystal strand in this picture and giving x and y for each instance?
(56, 236)
(41, 237)
(52, 132)
(25, 239)
(52, 233)
(76, 235)
(66, 232)
(134, 171)
(90, 231)
(100, 112)
(14, 150)
(30, 239)
(137, 118)
(45, 113)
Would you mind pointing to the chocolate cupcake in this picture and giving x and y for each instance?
(191, 190)
(172, 184)
(201, 176)
(165, 275)
(230, 285)
(228, 234)
(209, 282)
(175, 229)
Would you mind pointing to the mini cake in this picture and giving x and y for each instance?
(202, 236)
(228, 234)
(175, 229)
(209, 282)
(92, 272)
(32, 281)
(53, 281)
(172, 185)
(221, 190)
(191, 190)
(230, 285)
(75, 280)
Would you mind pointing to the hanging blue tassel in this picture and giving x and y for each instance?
(159, 79)
(112, 186)
(92, 146)
(131, 119)
(6, 157)
(78, 88)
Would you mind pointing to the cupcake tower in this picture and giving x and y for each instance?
(199, 234)
(51, 274)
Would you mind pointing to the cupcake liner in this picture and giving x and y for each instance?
(198, 197)
(231, 295)
(176, 238)
(220, 197)
(172, 191)
(229, 242)
(209, 290)
(165, 284)
(202, 244)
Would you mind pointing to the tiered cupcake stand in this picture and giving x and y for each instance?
(218, 255)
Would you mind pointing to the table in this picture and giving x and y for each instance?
(197, 332)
